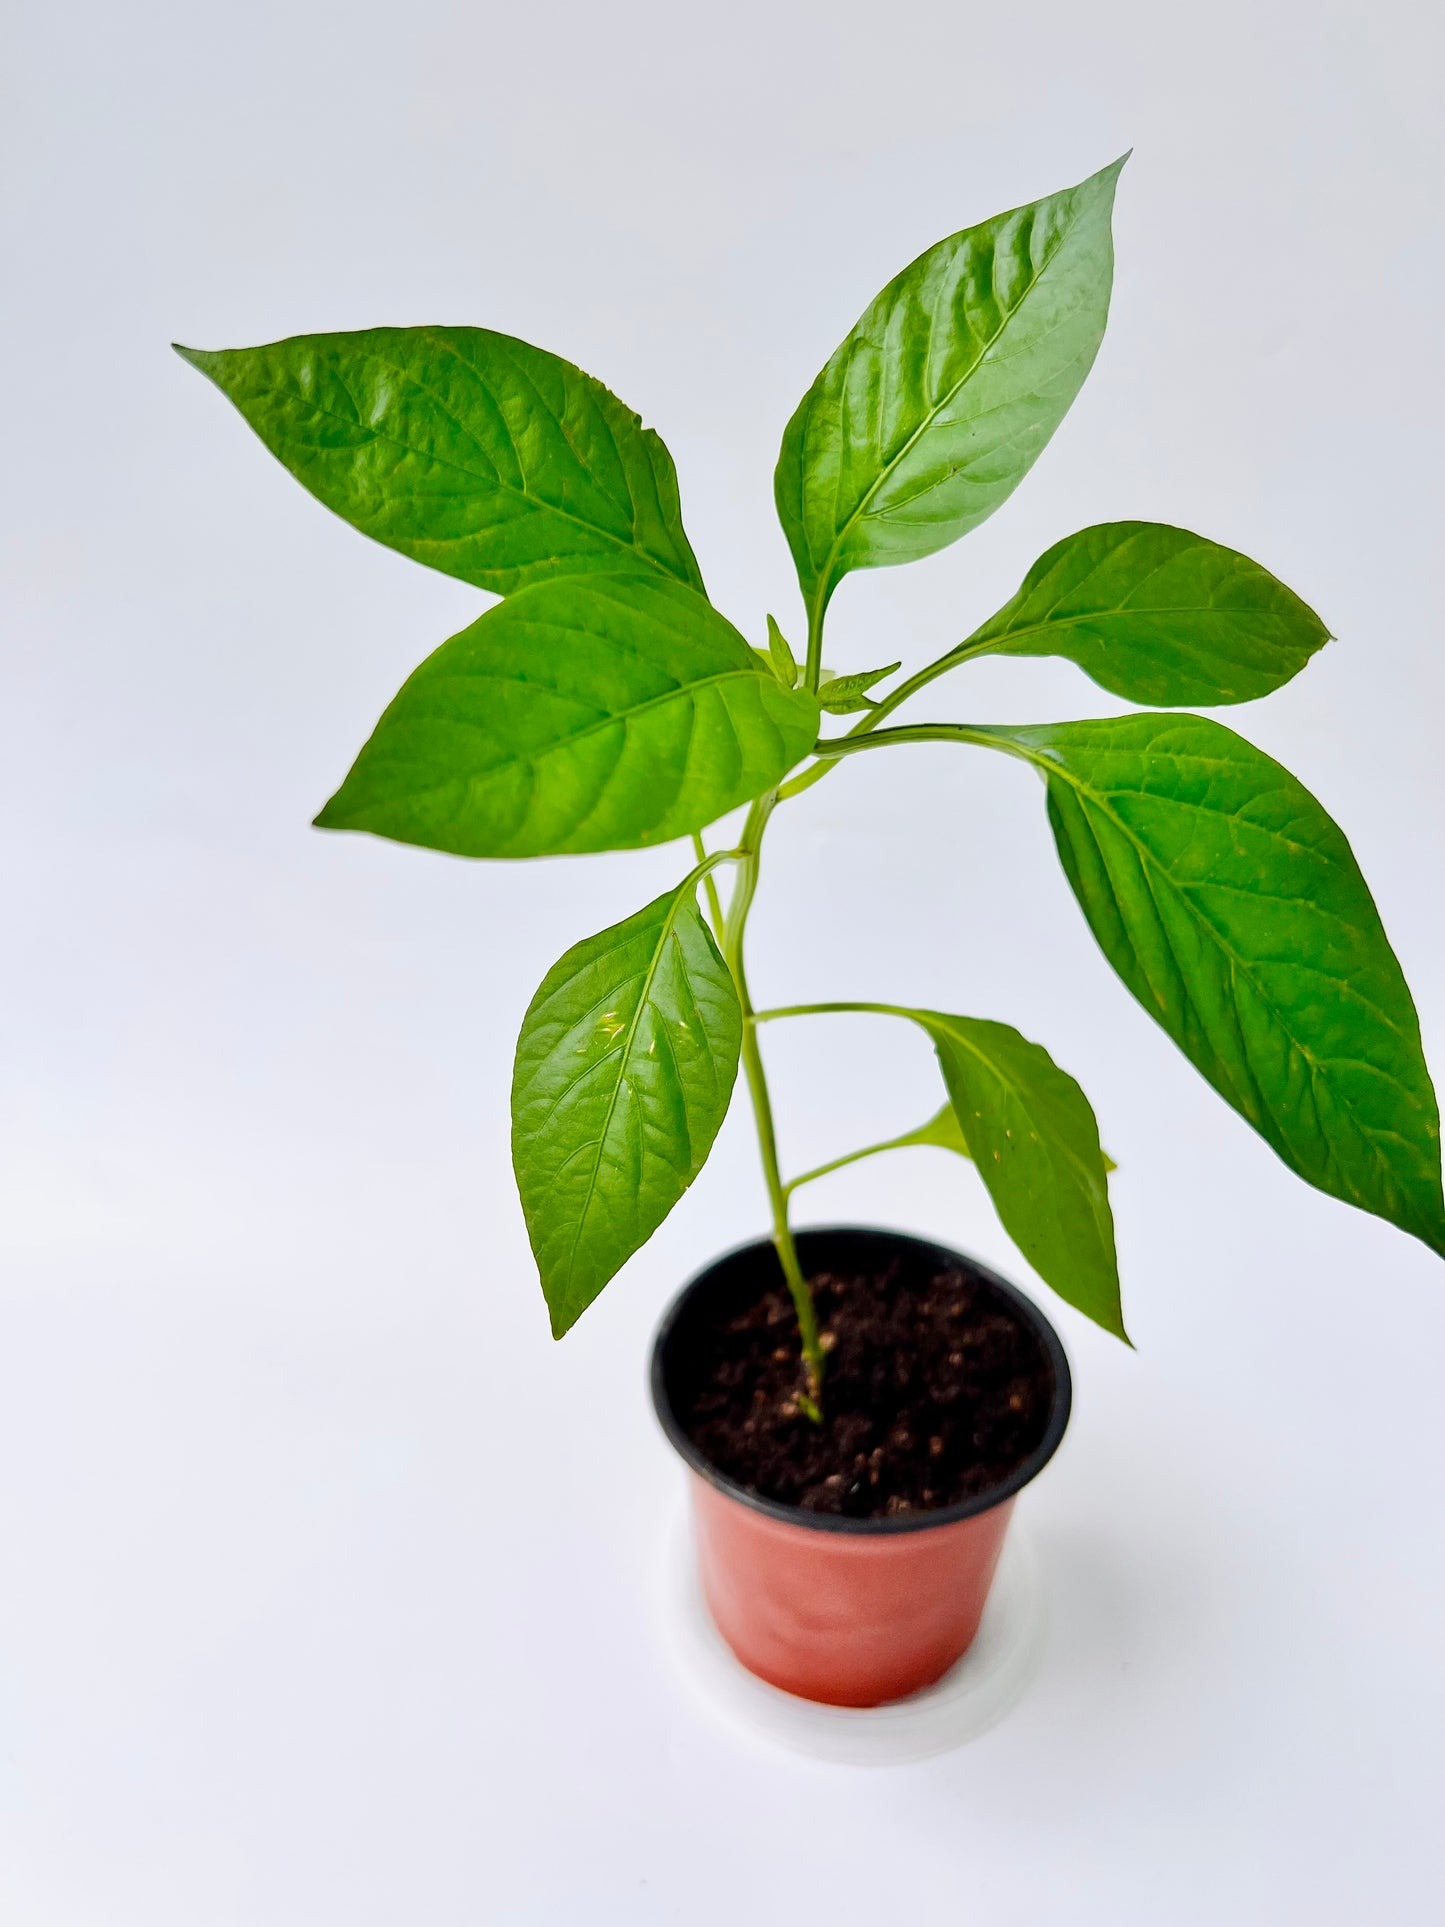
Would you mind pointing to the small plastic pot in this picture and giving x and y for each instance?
(850, 1612)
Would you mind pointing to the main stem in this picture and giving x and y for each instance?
(744, 890)
(731, 931)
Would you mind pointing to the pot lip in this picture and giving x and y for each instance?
(792, 1515)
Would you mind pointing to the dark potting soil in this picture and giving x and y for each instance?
(935, 1392)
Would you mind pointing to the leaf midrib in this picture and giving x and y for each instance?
(635, 509)
(991, 1064)
(1317, 1068)
(497, 484)
(564, 743)
(1116, 614)
(664, 936)
(1193, 548)
(937, 408)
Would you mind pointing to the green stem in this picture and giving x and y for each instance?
(743, 893)
(980, 734)
(886, 705)
(813, 672)
(714, 903)
(906, 1142)
(881, 710)
(829, 1010)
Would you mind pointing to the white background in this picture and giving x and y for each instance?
(326, 1580)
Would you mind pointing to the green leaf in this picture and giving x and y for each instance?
(469, 451)
(1158, 616)
(941, 399)
(1232, 906)
(844, 695)
(781, 656)
(1031, 1132)
(624, 1069)
(590, 713)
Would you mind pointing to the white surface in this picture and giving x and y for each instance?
(970, 1699)
(325, 1575)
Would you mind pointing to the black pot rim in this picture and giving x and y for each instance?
(831, 1521)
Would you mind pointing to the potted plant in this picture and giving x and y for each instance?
(858, 1408)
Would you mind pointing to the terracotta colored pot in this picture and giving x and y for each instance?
(852, 1612)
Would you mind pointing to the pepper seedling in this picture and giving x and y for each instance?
(605, 704)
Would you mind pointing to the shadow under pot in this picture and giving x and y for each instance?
(851, 1563)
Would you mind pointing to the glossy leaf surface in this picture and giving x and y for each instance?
(1031, 1132)
(1233, 908)
(467, 450)
(625, 1065)
(941, 399)
(1158, 616)
(589, 713)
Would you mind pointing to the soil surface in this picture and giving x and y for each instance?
(934, 1393)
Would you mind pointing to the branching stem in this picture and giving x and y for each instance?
(828, 1010)
(903, 1143)
(866, 725)
(864, 735)
(732, 928)
(977, 733)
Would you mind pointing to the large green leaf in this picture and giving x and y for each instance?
(1159, 616)
(624, 1068)
(591, 713)
(1232, 906)
(939, 402)
(477, 454)
(1031, 1132)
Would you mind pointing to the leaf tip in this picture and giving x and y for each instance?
(1107, 178)
(1111, 1320)
(1433, 1237)
(329, 817)
(560, 1319)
